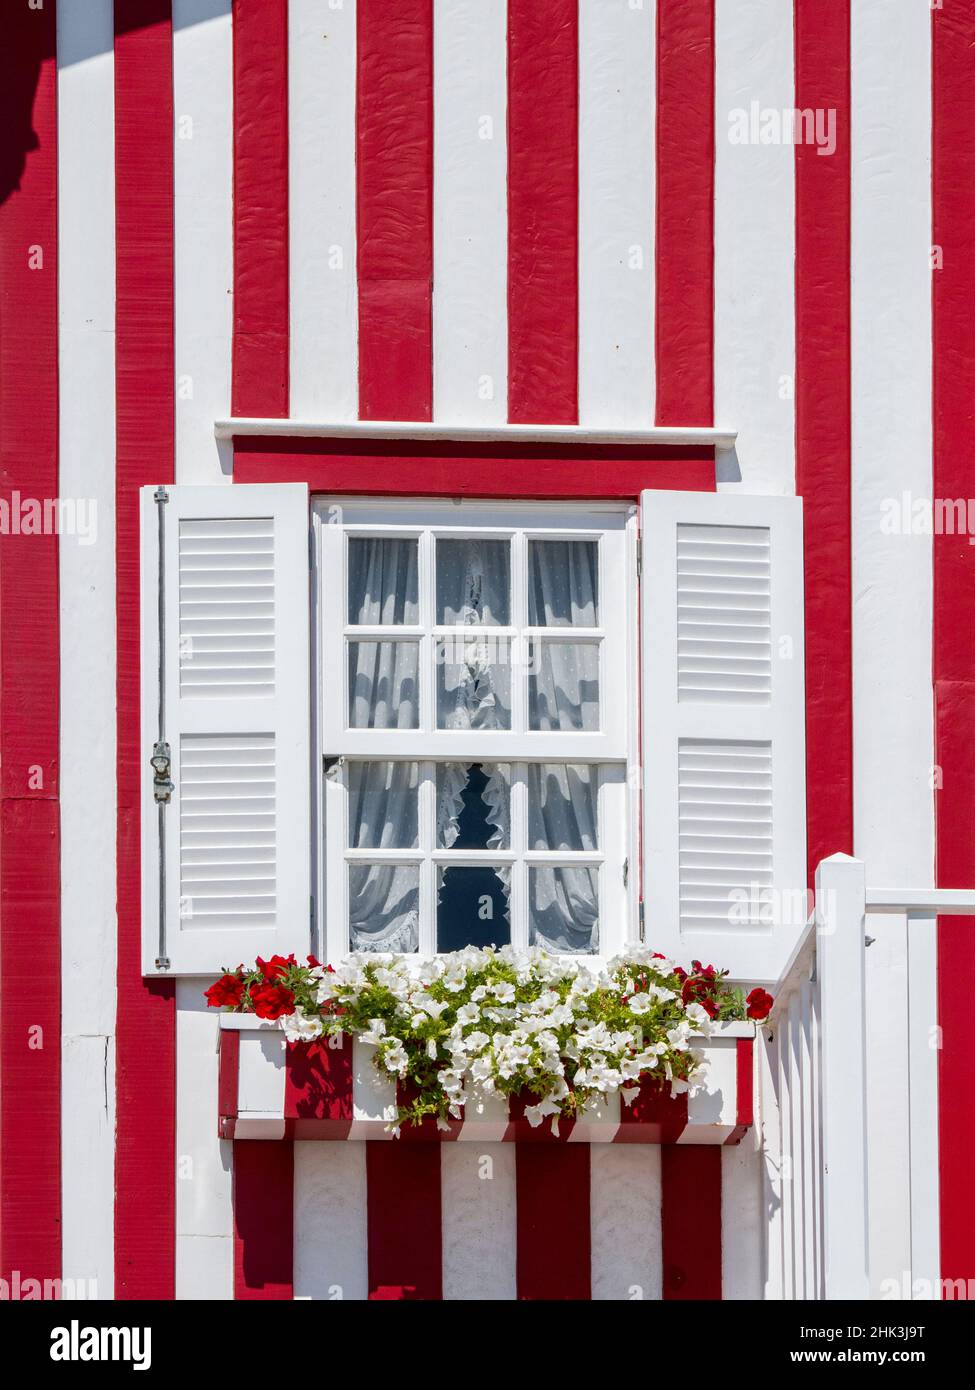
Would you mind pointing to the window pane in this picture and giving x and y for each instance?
(563, 584)
(472, 906)
(473, 683)
(563, 686)
(384, 907)
(563, 908)
(474, 582)
(382, 805)
(473, 806)
(384, 685)
(562, 806)
(383, 581)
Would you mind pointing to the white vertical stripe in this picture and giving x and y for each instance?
(893, 716)
(330, 1234)
(203, 230)
(204, 1213)
(86, 388)
(322, 210)
(617, 200)
(478, 1221)
(625, 1194)
(470, 248)
(742, 1219)
(891, 349)
(754, 249)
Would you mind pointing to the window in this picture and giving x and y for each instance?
(477, 712)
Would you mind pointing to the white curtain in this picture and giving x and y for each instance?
(474, 692)
(383, 675)
(474, 668)
(563, 902)
(384, 899)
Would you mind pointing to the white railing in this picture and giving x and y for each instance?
(813, 1090)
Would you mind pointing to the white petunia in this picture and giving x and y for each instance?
(301, 1027)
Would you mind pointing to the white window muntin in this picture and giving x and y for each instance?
(613, 747)
(518, 523)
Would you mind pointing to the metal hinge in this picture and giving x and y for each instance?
(626, 871)
(639, 563)
(643, 935)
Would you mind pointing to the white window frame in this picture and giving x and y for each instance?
(614, 746)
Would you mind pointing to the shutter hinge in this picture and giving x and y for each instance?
(160, 495)
(643, 934)
(626, 871)
(639, 564)
(160, 762)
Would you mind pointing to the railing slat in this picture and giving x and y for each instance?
(771, 1122)
(923, 1045)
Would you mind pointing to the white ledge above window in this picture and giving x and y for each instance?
(682, 435)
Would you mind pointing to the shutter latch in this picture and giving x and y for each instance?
(162, 786)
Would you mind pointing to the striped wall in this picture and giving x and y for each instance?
(475, 213)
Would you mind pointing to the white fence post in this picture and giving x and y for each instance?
(840, 929)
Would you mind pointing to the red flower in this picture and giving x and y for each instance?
(759, 1003)
(276, 967)
(271, 1001)
(314, 962)
(228, 991)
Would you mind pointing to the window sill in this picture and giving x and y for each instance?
(241, 427)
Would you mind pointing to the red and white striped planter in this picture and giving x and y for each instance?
(272, 1089)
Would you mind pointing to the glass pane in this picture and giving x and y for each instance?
(563, 908)
(382, 805)
(563, 686)
(473, 683)
(563, 584)
(562, 806)
(474, 582)
(384, 685)
(383, 581)
(472, 906)
(473, 806)
(384, 907)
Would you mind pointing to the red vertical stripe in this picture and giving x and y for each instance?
(404, 1221)
(553, 1221)
(954, 609)
(263, 1219)
(394, 213)
(822, 57)
(260, 346)
(30, 1096)
(690, 1177)
(228, 1082)
(145, 1149)
(318, 1082)
(685, 212)
(543, 192)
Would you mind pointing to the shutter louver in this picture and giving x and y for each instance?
(237, 830)
(723, 729)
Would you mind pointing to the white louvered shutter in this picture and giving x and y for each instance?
(723, 729)
(234, 581)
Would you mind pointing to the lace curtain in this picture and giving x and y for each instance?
(473, 591)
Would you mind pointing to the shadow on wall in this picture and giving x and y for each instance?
(19, 72)
(21, 56)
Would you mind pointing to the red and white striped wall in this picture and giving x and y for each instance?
(477, 213)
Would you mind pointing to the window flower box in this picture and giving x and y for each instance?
(270, 1088)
